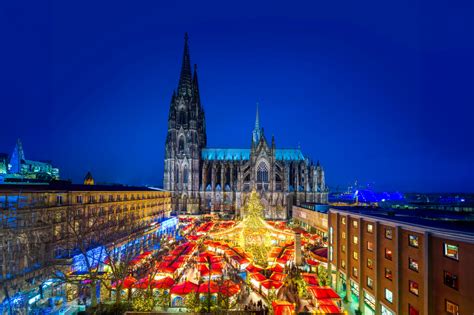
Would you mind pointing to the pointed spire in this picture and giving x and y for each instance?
(257, 120)
(196, 96)
(184, 85)
(257, 131)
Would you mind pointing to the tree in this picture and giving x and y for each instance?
(323, 276)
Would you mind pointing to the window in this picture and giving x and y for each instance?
(181, 144)
(355, 224)
(343, 264)
(413, 240)
(59, 200)
(262, 173)
(370, 282)
(412, 310)
(386, 311)
(413, 287)
(451, 251)
(355, 272)
(370, 246)
(343, 235)
(355, 239)
(355, 255)
(370, 263)
(389, 295)
(450, 280)
(330, 252)
(388, 234)
(343, 220)
(388, 254)
(330, 234)
(388, 274)
(185, 175)
(343, 248)
(452, 308)
(412, 264)
(370, 228)
(79, 199)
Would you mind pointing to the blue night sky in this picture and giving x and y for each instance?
(378, 91)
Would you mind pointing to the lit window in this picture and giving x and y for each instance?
(330, 234)
(389, 295)
(330, 253)
(343, 235)
(388, 274)
(451, 251)
(355, 255)
(343, 248)
(370, 228)
(370, 246)
(386, 311)
(355, 239)
(79, 199)
(413, 287)
(388, 254)
(370, 282)
(389, 234)
(355, 224)
(413, 264)
(413, 240)
(370, 263)
(59, 200)
(355, 272)
(412, 310)
(343, 220)
(343, 264)
(450, 280)
(452, 308)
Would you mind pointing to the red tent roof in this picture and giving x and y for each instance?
(324, 293)
(276, 268)
(277, 276)
(184, 288)
(258, 276)
(312, 262)
(229, 288)
(207, 287)
(268, 284)
(310, 279)
(253, 268)
(128, 282)
(163, 283)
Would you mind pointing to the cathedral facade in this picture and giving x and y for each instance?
(203, 179)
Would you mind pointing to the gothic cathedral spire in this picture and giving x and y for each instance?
(185, 83)
(257, 131)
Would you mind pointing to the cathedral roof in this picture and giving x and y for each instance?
(215, 154)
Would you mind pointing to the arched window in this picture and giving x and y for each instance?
(177, 176)
(185, 175)
(262, 173)
(181, 145)
(182, 117)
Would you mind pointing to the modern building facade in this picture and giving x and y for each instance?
(16, 168)
(312, 217)
(216, 179)
(40, 225)
(399, 262)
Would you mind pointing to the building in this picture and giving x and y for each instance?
(38, 224)
(402, 261)
(219, 180)
(312, 217)
(19, 169)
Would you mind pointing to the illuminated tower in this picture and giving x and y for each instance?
(185, 139)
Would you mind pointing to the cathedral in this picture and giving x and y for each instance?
(217, 180)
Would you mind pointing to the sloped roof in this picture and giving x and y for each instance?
(213, 154)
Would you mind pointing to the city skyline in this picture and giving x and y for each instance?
(89, 93)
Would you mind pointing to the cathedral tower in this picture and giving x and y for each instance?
(185, 139)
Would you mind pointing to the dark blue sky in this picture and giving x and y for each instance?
(379, 92)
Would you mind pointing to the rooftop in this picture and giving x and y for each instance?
(67, 186)
(244, 154)
(446, 220)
